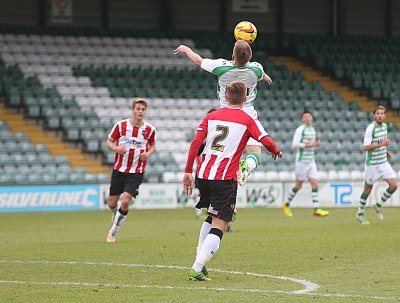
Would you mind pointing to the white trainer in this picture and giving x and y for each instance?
(361, 218)
(110, 238)
(379, 212)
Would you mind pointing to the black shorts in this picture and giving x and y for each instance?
(219, 197)
(125, 182)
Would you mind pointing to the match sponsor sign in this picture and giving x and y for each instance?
(49, 198)
(340, 194)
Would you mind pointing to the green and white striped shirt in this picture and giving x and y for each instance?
(303, 135)
(375, 134)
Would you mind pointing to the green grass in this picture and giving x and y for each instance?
(341, 256)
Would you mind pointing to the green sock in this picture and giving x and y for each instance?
(252, 160)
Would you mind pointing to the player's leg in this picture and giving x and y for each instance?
(253, 159)
(112, 204)
(360, 216)
(222, 196)
(131, 187)
(290, 196)
(315, 199)
(116, 189)
(208, 249)
(253, 150)
(385, 196)
(371, 175)
(204, 202)
(301, 171)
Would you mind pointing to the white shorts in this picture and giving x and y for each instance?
(253, 113)
(375, 173)
(306, 170)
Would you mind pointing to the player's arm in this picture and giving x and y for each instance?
(368, 140)
(266, 78)
(193, 150)
(384, 142)
(271, 147)
(113, 136)
(296, 143)
(188, 181)
(146, 155)
(265, 140)
(194, 57)
(118, 149)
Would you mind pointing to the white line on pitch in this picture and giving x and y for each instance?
(308, 290)
(308, 286)
(189, 288)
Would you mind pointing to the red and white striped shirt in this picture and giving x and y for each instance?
(227, 131)
(136, 140)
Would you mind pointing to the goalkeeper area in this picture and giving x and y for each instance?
(63, 257)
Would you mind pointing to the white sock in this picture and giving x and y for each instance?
(204, 230)
(119, 219)
(208, 249)
(314, 197)
(199, 212)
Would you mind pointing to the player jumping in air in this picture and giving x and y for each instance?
(239, 68)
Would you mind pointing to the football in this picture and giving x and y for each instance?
(246, 31)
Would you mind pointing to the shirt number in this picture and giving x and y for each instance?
(224, 131)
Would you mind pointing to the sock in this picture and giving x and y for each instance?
(386, 195)
(208, 249)
(199, 212)
(291, 195)
(252, 160)
(314, 197)
(204, 230)
(362, 203)
(119, 219)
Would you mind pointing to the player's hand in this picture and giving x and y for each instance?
(313, 143)
(144, 156)
(267, 78)
(317, 143)
(385, 142)
(188, 183)
(274, 156)
(181, 49)
(389, 155)
(120, 150)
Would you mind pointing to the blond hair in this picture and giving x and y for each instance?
(140, 101)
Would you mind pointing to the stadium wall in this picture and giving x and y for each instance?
(361, 17)
(396, 18)
(164, 196)
(307, 16)
(364, 17)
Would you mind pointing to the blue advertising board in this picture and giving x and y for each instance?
(49, 198)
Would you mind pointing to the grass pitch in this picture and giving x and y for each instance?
(63, 257)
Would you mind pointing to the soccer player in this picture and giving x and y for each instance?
(227, 71)
(226, 132)
(377, 166)
(133, 141)
(305, 141)
(199, 211)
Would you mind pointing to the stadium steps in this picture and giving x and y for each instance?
(54, 144)
(347, 94)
